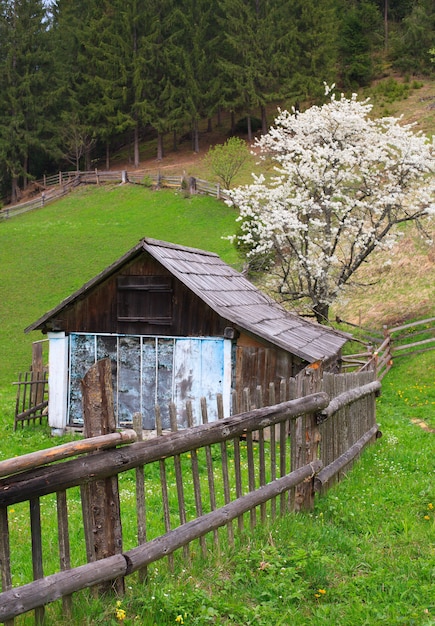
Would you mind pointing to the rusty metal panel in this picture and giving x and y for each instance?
(165, 363)
(82, 356)
(129, 387)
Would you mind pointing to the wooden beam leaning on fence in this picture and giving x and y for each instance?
(100, 498)
(304, 417)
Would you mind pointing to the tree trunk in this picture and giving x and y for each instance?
(248, 121)
(195, 136)
(88, 158)
(159, 146)
(321, 311)
(264, 125)
(136, 159)
(15, 190)
(175, 140)
(107, 155)
(233, 122)
(25, 170)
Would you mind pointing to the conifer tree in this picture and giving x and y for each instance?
(24, 88)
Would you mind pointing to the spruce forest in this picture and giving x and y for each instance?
(80, 78)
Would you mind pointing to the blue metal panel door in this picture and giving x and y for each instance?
(198, 371)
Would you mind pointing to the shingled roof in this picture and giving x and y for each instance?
(230, 295)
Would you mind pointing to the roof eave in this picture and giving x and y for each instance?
(111, 269)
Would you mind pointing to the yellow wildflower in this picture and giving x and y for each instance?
(120, 614)
(426, 517)
(430, 506)
(322, 591)
(179, 619)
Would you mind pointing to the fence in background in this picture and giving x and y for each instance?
(404, 340)
(51, 188)
(189, 483)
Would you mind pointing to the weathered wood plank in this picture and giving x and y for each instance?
(272, 439)
(104, 504)
(225, 470)
(140, 494)
(307, 442)
(14, 602)
(5, 556)
(33, 460)
(161, 546)
(164, 485)
(20, 600)
(210, 473)
(333, 468)
(38, 570)
(5, 552)
(64, 544)
(349, 396)
(195, 477)
(110, 462)
(179, 478)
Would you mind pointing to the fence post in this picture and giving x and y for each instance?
(192, 185)
(100, 498)
(38, 388)
(305, 432)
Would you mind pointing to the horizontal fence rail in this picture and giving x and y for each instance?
(186, 484)
(404, 340)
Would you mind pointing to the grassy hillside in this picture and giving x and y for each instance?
(366, 554)
(47, 254)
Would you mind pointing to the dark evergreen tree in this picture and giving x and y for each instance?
(199, 39)
(414, 39)
(360, 35)
(316, 46)
(247, 56)
(75, 87)
(158, 75)
(24, 88)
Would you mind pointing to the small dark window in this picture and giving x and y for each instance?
(145, 299)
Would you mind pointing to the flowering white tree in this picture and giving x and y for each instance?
(342, 182)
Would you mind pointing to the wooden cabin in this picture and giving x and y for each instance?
(178, 324)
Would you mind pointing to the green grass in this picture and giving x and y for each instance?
(47, 254)
(364, 556)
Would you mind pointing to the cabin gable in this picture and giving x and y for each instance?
(143, 298)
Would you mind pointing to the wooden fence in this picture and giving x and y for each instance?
(58, 185)
(32, 398)
(189, 483)
(31, 404)
(392, 343)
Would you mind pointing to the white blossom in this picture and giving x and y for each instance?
(341, 183)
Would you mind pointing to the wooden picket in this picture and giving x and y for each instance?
(281, 453)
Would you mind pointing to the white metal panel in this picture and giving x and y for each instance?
(58, 382)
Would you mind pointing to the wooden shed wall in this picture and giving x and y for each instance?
(98, 311)
(257, 365)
